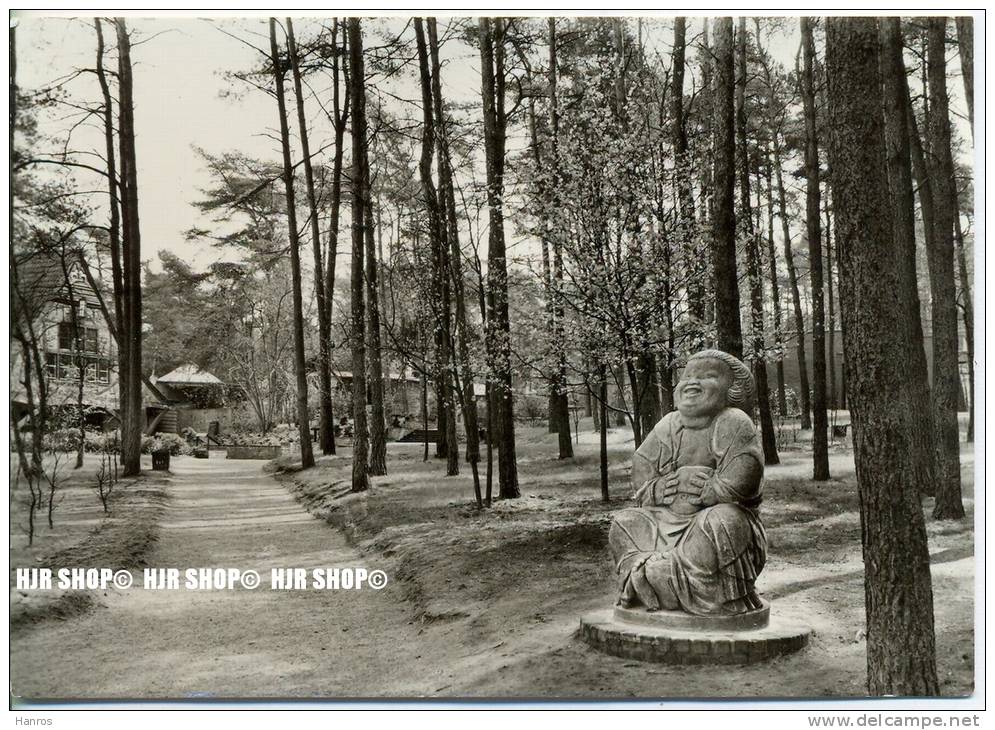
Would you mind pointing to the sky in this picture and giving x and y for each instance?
(183, 100)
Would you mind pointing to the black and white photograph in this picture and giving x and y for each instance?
(429, 359)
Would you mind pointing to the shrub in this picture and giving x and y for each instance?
(171, 442)
(62, 439)
(67, 440)
(94, 442)
(102, 443)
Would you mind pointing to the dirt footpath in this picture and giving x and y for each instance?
(231, 643)
(478, 604)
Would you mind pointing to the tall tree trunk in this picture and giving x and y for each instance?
(326, 421)
(813, 216)
(968, 310)
(635, 373)
(340, 116)
(665, 365)
(131, 416)
(378, 421)
(753, 262)
(80, 361)
(789, 259)
(832, 404)
(561, 397)
(360, 431)
(726, 278)
(924, 189)
(300, 366)
(686, 229)
(775, 287)
(484, 301)
(463, 367)
(901, 654)
(804, 401)
(424, 413)
(622, 413)
(498, 328)
(552, 411)
(707, 163)
(965, 42)
(603, 429)
(896, 132)
(946, 367)
(114, 231)
(447, 445)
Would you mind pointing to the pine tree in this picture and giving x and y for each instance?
(726, 279)
(901, 654)
(813, 218)
(946, 343)
(360, 429)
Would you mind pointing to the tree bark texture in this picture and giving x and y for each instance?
(901, 656)
(325, 418)
(946, 342)
(498, 327)
(751, 237)
(360, 429)
(726, 280)
(300, 367)
(132, 420)
(896, 132)
(813, 217)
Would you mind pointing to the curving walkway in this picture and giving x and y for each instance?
(231, 643)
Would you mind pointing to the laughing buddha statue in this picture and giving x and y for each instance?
(695, 543)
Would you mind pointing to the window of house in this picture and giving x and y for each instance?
(64, 366)
(67, 338)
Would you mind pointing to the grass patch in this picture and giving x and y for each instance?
(120, 542)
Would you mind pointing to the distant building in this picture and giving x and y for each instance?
(74, 339)
(194, 398)
(57, 295)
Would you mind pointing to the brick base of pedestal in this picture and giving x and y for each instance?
(689, 645)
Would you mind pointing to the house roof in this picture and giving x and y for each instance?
(347, 375)
(41, 276)
(189, 374)
(167, 393)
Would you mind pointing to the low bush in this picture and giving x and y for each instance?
(171, 442)
(94, 442)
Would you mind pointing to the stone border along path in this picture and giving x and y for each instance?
(234, 643)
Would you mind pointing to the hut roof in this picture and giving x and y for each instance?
(189, 374)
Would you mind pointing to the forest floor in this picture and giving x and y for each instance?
(82, 534)
(477, 605)
(506, 587)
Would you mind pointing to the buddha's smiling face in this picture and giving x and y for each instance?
(703, 387)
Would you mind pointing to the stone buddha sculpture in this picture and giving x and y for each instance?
(695, 543)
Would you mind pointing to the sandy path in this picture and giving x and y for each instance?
(231, 643)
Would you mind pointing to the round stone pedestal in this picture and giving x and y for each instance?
(675, 637)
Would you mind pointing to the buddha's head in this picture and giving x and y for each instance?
(713, 380)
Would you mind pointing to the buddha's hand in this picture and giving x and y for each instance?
(703, 483)
(661, 490)
(671, 485)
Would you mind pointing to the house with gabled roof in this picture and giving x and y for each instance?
(73, 338)
(75, 343)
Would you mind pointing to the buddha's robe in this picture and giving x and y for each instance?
(712, 555)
